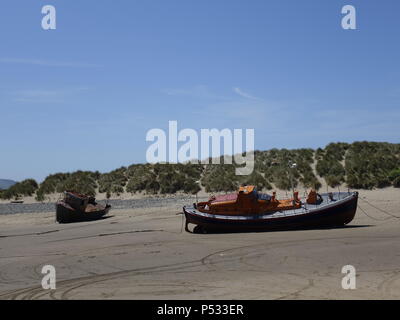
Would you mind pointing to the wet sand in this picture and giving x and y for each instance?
(143, 254)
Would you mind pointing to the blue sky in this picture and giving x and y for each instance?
(83, 96)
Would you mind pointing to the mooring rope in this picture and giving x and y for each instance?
(379, 209)
(373, 218)
(182, 223)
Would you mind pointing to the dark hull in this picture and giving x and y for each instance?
(66, 214)
(332, 215)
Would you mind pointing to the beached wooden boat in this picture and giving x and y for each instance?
(249, 210)
(78, 207)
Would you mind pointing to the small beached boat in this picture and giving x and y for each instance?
(249, 210)
(78, 207)
(17, 202)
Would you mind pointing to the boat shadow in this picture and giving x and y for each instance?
(216, 231)
(89, 220)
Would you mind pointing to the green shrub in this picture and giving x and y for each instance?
(329, 163)
(257, 180)
(113, 182)
(333, 181)
(310, 181)
(394, 177)
(218, 178)
(394, 174)
(24, 188)
(396, 182)
(53, 183)
(80, 181)
(39, 196)
(370, 164)
(275, 165)
(142, 178)
(190, 186)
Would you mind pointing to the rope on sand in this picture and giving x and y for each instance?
(376, 219)
(182, 223)
(381, 210)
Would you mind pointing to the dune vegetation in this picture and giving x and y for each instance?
(359, 165)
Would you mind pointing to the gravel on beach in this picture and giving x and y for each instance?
(13, 208)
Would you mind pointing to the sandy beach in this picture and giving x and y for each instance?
(142, 253)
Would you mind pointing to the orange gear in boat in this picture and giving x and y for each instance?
(248, 201)
(313, 197)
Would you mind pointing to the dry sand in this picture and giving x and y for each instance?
(142, 254)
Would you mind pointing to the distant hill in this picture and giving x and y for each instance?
(357, 165)
(5, 184)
